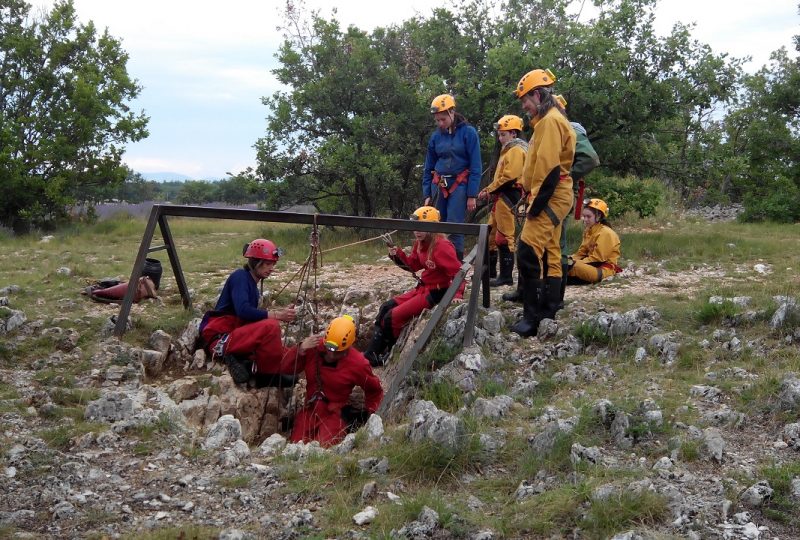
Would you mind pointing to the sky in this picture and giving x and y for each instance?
(204, 67)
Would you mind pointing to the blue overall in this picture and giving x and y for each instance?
(450, 154)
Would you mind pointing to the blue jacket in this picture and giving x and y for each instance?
(240, 296)
(452, 153)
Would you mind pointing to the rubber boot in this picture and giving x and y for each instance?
(239, 368)
(551, 298)
(506, 268)
(515, 295)
(528, 325)
(564, 270)
(376, 348)
(492, 264)
(460, 255)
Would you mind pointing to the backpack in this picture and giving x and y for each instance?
(586, 158)
(584, 162)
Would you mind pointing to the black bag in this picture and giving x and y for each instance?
(152, 269)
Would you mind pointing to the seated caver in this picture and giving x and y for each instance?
(246, 338)
(597, 256)
(435, 255)
(333, 367)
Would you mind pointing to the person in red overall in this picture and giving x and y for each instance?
(435, 255)
(246, 338)
(333, 367)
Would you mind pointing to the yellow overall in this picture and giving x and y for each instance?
(597, 256)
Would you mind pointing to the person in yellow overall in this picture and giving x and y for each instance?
(546, 176)
(596, 258)
(505, 192)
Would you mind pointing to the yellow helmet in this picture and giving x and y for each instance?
(509, 122)
(534, 79)
(599, 205)
(442, 103)
(561, 101)
(341, 334)
(426, 213)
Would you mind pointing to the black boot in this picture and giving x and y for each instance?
(551, 298)
(564, 270)
(460, 255)
(377, 347)
(528, 325)
(492, 264)
(516, 294)
(506, 268)
(240, 369)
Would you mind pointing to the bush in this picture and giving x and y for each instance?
(780, 202)
(629, 194)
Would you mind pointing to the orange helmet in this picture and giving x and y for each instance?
(534, 79)
(341, 334)
(443, 102)
(509, 122)
(599, 205)
(561, 101)
(426, 213)
(263, 249)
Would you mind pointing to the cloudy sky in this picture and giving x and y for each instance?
(205, 66)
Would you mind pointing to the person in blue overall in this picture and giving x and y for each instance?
(452, 172)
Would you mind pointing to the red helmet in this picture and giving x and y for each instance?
(263, 249)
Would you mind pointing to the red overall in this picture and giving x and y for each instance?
(328, 388)
(259, 340)
(439, 268)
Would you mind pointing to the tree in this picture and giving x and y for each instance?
(349, 134)
(197, 192)
(763, 137)
(64, 117)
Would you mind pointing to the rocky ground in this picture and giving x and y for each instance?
(118, 439)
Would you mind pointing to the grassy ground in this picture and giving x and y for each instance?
(720, 259)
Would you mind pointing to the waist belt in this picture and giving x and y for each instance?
(449, 182)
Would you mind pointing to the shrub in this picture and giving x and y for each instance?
(709, 313)
(780, 202)
(629, 194)
(589, 333)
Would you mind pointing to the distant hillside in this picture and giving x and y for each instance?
(166, 177)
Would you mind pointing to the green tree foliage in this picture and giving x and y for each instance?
(197, 192)
(349, 133)
(64, 117)
(763, 141)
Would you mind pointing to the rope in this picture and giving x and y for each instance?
(386, 237)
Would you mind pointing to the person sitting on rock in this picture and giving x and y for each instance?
(597, 256)
(245, 337)
(333, 367)
(435, 255)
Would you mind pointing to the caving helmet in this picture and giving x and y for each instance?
(561, 101)
(508, 123)
(534, 79)
(341, 334)
(263, 249)
(426, 213)
(443, 102)
(599, 205)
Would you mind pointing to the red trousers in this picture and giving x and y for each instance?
(259, 341)
(321, 422)
(409, 305)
